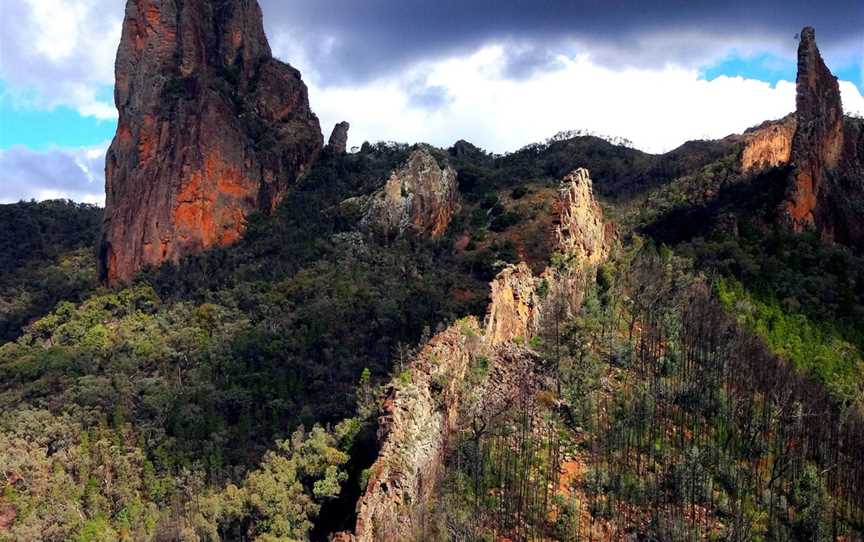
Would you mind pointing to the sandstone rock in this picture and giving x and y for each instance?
(338, 143)
(514, 308)
(419, 415)
(211, 128)
(825, 191)
(768, 145)
(818, 141)
(581, 232)
(420, 198)
(517, 305)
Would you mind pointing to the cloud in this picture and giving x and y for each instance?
(501, 73)
(76, 174)
(365, 40)
(60, 52)
(656, 108)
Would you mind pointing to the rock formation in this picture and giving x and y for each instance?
(818, 141)
(581, 233)
(420, 412)
(423, 409)
(826, 187)
(519, 300)
(211, 128)
(768, 145)
(421, 198)
(338, 143)
(515, 307)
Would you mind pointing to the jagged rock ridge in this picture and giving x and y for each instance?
(422, 411)
(580, 231)
(211, 128)
(419, 198)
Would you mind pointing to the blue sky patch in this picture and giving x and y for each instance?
(43, 129)
(763, 67)
(771, 69)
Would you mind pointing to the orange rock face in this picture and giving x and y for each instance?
(211, 128)
(515, 307)
(768, 145)
(818, 142)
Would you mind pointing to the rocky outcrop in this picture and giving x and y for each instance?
(423, 407)
(419, 198)
(818, 142)
(768, 145)
(420, 411)
(519, 299)
(211, 128)
(825, 191)
(581, 232)
(514, 311)
(338, 143)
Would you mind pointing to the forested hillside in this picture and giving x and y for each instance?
(660, 417)
(709, 387)
(47, 254)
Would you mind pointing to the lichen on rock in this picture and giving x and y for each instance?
(419, 198)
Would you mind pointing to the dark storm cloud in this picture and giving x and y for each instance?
(351, 40)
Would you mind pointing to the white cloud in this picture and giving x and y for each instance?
(60, 52)
(657, 109)
(76, 174)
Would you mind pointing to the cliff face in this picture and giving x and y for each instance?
(768, 145)
(581, 232)
(211, 128)
(421, 413)
(520, 300)
(515, 307)
(420, 198)
(826, 188)
(818, 141)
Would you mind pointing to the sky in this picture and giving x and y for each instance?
(498, 73)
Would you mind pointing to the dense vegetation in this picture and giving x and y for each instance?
(232, 396)
(803, 296)
(186, 382)
(183, 382)
(46, 255)
(660, 418)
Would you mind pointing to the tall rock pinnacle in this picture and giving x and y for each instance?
(817, 146)
(338, 142)
(211, 128)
